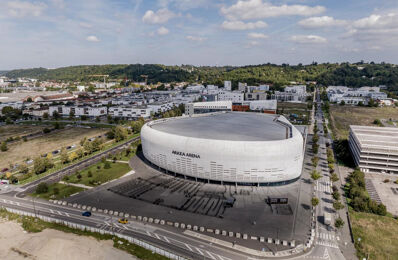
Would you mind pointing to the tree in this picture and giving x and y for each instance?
(42, 188)
(23, 168)
(315, 175)
(56, 115)
(107, 165)
(64, 156)
(342, 103)
(41, 164)
(3, 146)
(337, 205)
(314, 201)
(57, 125)
(71, 115)
(45, 115)
(56, 190)
(315, 161)
(336, 195)
(334, 177)
(73, 156)
(338, 223)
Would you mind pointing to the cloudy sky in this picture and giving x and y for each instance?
(54, 33)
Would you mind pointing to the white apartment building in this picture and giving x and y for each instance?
(79, 110)
(353, 96)
(256, 96)
(159, 107)
(129, 112)
(207, 107)
(299, 89)
(374, 149)
(230, 96)
(195, 88)
(242, 86)
(227, 85)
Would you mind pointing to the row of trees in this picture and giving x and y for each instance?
(359, 198)
(344, 74)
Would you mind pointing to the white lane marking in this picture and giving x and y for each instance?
(200, 251)
(149, 234)
(156, 235)
(165, 238)
(212, 257)
(59, 212)
(52, 211)
(190, 249)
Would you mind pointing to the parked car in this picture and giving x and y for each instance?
(86, 214)
(123, 221)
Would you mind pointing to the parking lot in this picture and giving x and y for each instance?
(386, 192)
(242, 209)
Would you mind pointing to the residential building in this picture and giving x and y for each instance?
(92, 111)
(228, 85)
(207, 107)
(130, 112)
(233, 96)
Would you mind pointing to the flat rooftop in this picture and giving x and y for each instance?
(376, 137)
(232, 126)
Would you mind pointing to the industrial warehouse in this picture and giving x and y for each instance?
(226, 148)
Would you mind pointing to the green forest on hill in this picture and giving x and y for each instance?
(347, 74)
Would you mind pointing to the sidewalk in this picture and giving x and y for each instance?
(76, 185)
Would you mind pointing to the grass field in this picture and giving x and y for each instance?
(378, 236)
(99, 174)
(299, 109)
(64, 191)
(344, 116)
(7, 131)
(17, 152)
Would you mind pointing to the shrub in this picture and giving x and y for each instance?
(3, 147)
(386, 181)
(334, 177)
(338, 223)
(65, 178)
(337, 205)
(336, 195)
(107, 165)
(46, 130)
(89, 174)
(79, 176)
(56, 190)
(42, 188)
(315, 175)
(99, 167)
(314, 201)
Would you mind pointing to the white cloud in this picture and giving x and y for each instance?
(257, 36)
(195, 38)
(92, 38)
(163, 31)
(387, 21)
(257, 9)
(239, 25)
(23, 9)
(321, 21)
(308, 39)
(159, 17)
(377, 29)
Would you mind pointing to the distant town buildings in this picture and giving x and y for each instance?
(357, 96)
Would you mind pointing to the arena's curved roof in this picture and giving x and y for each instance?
(233, 126)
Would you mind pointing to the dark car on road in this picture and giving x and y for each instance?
(86, 214)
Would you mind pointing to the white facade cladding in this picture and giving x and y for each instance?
(374, 149)
(261, 156)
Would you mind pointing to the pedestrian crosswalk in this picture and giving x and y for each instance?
(327, 236)
(327, 244)
(323, 186)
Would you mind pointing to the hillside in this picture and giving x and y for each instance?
(353, 75)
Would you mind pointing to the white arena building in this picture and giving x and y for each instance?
(238, 148)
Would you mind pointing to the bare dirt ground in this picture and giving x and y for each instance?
(344, 116)
(17, 152)
(16, 244)
(18, 130)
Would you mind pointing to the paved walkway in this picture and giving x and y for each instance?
(76, 185)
